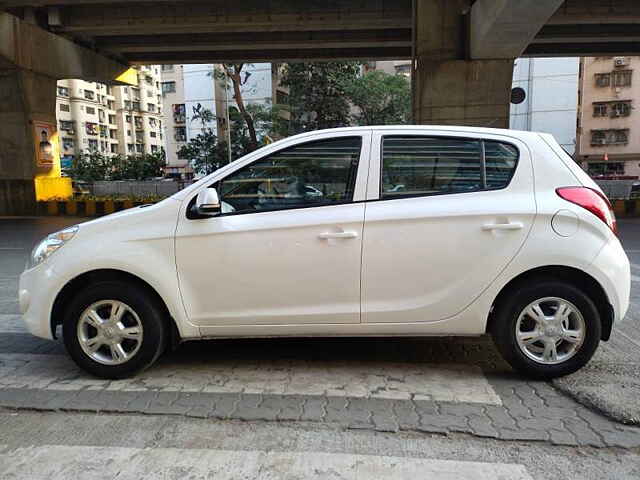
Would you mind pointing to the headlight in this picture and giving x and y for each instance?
(50, 244)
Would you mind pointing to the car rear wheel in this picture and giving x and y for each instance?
(114, 329)
(546, 328)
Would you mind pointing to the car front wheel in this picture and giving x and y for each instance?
(114, 329)
(546, 328)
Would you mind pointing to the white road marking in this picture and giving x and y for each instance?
(60, 462)
(360, 379)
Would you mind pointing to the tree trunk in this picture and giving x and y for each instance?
(234, 75)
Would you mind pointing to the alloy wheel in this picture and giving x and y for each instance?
(110, 332)
(550, 330)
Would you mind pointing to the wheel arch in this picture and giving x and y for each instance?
(589, 285)
(73, 286)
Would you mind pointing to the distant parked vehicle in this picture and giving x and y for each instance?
(409, 230)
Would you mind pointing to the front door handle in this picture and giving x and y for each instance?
(503, 226)
(328, 235)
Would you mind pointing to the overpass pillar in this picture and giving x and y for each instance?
(462, 92)
(448, 88)
(27, 104)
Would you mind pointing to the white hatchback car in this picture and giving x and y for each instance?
(493, 231)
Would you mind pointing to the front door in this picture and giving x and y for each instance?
(287, 249)
(447, 212)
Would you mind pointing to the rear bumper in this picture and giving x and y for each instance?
(612, 269)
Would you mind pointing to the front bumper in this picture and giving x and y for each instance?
(37, 291)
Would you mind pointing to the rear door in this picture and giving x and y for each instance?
(446, 213)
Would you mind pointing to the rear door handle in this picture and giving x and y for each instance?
(503, 226)
(328, 235)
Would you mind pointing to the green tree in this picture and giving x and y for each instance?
(317, 94)
(204, 153)
(91, 166)
(95, 166)
(381, 98)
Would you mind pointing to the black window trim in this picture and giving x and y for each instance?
(483, 173)
(193, 215)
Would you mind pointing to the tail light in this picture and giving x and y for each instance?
(592, 200)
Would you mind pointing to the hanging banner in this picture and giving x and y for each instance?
(43, 133)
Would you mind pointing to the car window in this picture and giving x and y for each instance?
(311, 174)
(500, 162)
(429, 165)
(426, 165)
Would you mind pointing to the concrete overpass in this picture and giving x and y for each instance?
(463, 50)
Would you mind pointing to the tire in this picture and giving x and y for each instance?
(142, 321)
(535, 359)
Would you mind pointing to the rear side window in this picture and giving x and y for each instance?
(418, 166)
(500, 163)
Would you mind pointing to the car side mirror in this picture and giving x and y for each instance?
(208, 202)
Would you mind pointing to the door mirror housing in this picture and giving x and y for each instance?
(208, 202)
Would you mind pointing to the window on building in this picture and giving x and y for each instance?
(610, 137)
(67, 126)
(64, 107)
(93, 144)
(130, 147)
(135, 92)
(128, 118)
(89, 95)
(139, 123)
(109, 90)
(600, 109)
(152, 134)
(151, 107)
(113, 134)
(90, 111)
(166, 68)
(101, 116)
(154, 149)
(180, 134)
(603, 79)
(114, 148)
(622, 78)
(63, 91)
(621, 109)
(152, 122)
(112, 119)
(128, 133)
(312, 174)
(168, 87)
(139, 148)
(621, 136)
(416, 165)
(135, 105)
(605, 168)
(67, 143)
(111, 104)
(127, 104)
(179, 113)
(91, 128)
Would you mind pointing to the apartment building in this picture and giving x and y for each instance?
(187, 90)
(110, 119)
(608, 129)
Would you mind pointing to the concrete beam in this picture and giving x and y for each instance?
(28, 47)
(502, 29)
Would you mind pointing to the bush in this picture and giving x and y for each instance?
(94, 166)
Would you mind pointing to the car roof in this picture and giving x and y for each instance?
(431, 128)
